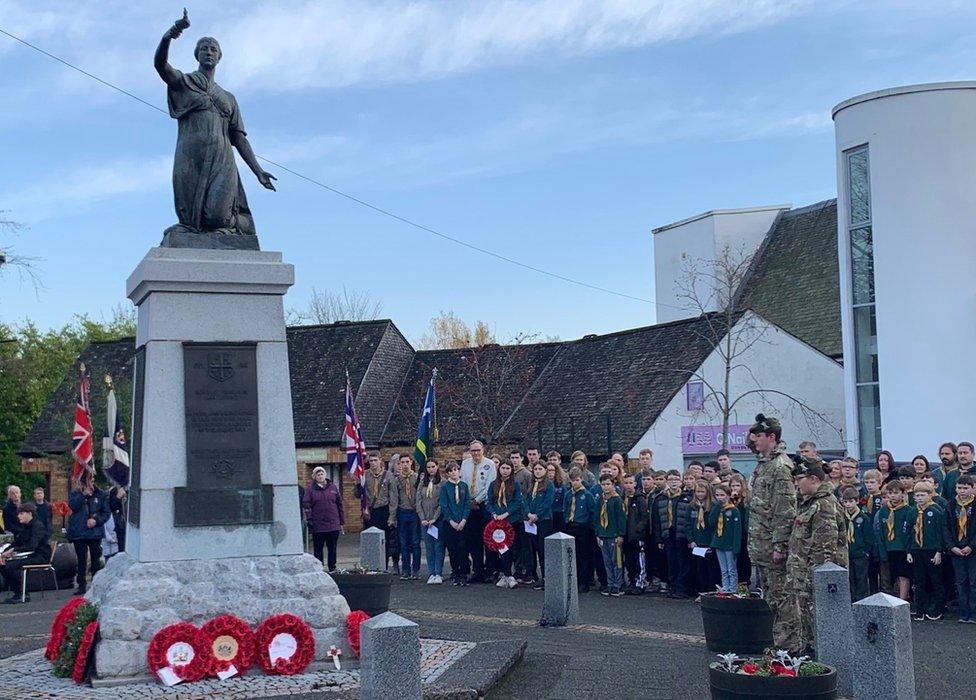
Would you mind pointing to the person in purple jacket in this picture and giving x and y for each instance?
(322, 504)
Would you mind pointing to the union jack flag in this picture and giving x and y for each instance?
(355, 447)
(82, 449)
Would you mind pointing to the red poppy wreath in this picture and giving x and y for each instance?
(232, 646)
(85, 647)
(179, 652)
(59, 628)
(285, 645)
(499, 536)
(353, 635)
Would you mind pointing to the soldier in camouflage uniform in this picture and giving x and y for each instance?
(771, 513)
(814, 540)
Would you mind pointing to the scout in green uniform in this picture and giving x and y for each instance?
(726, 519)
(925, 554)
(813, 540)
(859, 533)
(894, 522)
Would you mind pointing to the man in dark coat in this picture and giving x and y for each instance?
(30, 546)
(86, 527)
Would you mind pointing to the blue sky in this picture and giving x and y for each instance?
(557, 132)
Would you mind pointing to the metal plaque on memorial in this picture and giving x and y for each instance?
(223, 465)
(138, 400)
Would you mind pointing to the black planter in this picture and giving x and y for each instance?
(65, 566)
(732, 686)
(740, 625)
(367, 592)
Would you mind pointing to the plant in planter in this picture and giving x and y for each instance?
(773, 675)
(364, 590)
(741, 622)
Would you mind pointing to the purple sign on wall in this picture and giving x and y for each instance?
(699, 439)
(695, 395)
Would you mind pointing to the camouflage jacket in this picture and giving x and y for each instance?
(772, 507)
(815, 534)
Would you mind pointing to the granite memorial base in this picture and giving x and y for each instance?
(372, 549)
(561, 603)
(391, 658)
(833, 623)
(137, 599)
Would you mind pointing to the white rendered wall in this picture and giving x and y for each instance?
(780, 362)
(922, 153)
(702, 237)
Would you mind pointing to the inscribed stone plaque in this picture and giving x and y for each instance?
(138, 399)
(223, 468)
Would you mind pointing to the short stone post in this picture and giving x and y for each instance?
(883, 649)
(390, 665)
(561, 604)
(372, 549)
(834, 622)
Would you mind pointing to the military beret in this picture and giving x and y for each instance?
(764, 424)
(808, 466)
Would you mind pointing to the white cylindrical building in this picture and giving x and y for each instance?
(906, 213)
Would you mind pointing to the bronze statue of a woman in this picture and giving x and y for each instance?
(206, 186)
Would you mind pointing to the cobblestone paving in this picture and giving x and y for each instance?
(590, 629)
(29, 675)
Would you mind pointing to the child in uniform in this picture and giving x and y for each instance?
(504, 502)
(878, 577)
(925, 554)
(578, 508)
(960, 538)
(610, 527)
(860, 542)
(894, 522)
(455, 503)
(635, 510)
(672, 528)
(700, 535)
(727, 537)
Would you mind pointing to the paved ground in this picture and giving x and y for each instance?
(629, 647)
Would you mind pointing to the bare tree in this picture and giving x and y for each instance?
(10, 259)
(331, 307)
(713, 289)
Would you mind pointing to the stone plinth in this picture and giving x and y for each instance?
(833, 623)
(391, 658)
(372, 549)
(137, 599)
(883, 649)
(561, 604)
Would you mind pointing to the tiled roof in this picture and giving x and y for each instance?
(794, 279)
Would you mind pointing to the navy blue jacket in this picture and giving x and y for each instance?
(84, 507)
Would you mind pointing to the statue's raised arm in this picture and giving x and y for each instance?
(161, 59)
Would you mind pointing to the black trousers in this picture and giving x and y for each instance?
(330, 540)
(706, 572)
(474, 531)
(537, 543)
(120, 533)
(84, 549)
(858, 575)
(456, 544)
(12, 571)
(632, 561)
(927, 579)
(585, 544)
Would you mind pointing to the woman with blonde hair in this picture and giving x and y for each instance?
(739, 495)
(580, 460)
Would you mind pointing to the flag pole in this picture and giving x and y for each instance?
(434, 436)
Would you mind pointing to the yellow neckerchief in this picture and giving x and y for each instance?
(430, 487)
(671, 494)
(376, 485)
(700, 519)
(891, 520)
(720, 525)
(604, 516)
(501, 498)
(572, 502)
(408, 487)
(870, 504)
(920, 524)
(627, 502)
(963, 516)
(457, 491)
(537, 485)
(850, 523)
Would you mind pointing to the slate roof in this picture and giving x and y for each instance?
(794, 278)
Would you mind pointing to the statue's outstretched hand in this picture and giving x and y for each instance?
(265, 179)
(179, 26)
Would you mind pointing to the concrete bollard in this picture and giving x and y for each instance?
(883, 649)
(834, 623)
(390, 665)
(372, 549)
(561, 604)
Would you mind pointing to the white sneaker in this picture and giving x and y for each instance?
(438, 579)
(430, 579)
(502, 582)
(511, 582)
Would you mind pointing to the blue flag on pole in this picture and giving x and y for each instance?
(425, 440)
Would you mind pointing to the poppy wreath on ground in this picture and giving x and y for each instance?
(231, 642)
(182, 648)
(59, 628)
(285, 645)
(353, 621)
(84, 614)
(499, 536)
(80, 671)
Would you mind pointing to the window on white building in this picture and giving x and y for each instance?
(862, 294)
